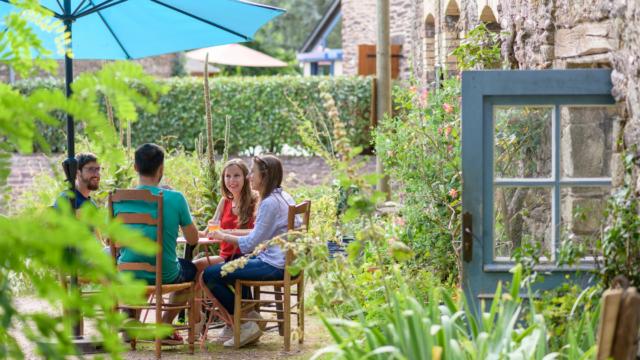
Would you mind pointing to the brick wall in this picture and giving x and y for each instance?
(160, 66)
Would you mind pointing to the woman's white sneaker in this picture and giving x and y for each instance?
(256, 316)
(249, 332)
(225, 334)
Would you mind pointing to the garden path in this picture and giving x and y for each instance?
(269, 346)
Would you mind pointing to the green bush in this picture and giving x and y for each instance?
(263, 111)
(421, 145)
(441, 327)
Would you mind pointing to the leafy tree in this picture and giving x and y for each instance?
(282, 37)
(43, 245)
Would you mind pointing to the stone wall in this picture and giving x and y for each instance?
(582, 34)
(406, 28)
(358, 27)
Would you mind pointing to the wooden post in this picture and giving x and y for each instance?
(383, 81)
(374, 104)
(618, 328)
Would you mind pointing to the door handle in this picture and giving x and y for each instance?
(467, 237)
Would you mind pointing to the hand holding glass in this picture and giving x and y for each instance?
(216, 235)
(213, 225)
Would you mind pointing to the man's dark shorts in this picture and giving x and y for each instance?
(187, 271)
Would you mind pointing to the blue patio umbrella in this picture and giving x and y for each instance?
(132, 29)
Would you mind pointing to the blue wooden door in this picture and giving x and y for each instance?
(537, 150)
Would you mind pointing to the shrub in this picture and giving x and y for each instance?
(443, 328)
(421, 148)
(621, 242)
(261, 111)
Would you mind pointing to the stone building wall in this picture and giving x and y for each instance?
(559, 34)
(160, 66)
(406, 28)
(583, 34)
(358, 27)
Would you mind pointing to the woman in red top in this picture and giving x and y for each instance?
(235, 212)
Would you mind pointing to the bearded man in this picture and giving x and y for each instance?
(87, 180)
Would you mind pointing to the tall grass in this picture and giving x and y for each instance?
(445, 328)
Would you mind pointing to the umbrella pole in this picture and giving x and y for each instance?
(70, 165)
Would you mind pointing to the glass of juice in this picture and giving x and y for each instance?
(213, 227)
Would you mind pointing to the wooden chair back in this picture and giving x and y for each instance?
(124, 195)
(304, 209)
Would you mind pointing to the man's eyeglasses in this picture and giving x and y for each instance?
(92, 169)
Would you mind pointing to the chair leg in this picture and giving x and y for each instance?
(134, 341)
(278, 296)
(237, 313)
(192, 316)
(287, 317)
(301, 309)
(256, 296)
(159, 301)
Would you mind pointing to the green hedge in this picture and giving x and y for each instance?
(262, 110)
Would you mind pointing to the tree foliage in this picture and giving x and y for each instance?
(43, 245)
(283, 36)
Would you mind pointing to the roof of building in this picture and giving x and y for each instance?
(323, 28)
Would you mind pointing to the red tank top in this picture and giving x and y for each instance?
(229, 221)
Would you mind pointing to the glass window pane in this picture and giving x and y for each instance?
(522, 141)
(583, 219)
(586, 141)
(522, 215)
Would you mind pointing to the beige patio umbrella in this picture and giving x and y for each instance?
(235, 55)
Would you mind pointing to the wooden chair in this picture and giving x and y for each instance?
(154, 292)
(281, 290)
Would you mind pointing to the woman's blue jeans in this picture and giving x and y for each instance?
(255, 269)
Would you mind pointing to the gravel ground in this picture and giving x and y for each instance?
(270, 345)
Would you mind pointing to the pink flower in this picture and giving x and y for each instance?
(447, 108)
(453, 193)
(413, 89)
(424, 97)
(399, 221)
(447, 130)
